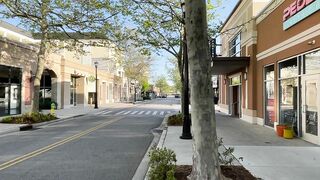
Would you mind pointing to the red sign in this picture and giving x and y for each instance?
(295, 7)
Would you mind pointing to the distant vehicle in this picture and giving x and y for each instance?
(164, 96)
(177, 96)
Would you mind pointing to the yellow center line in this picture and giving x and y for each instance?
(54, 145)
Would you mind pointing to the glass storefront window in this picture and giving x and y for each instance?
(288, 68)
(270, 116)
(235, 46)
(288, 101)
(235, 80)
(312, 63)
(10, 90)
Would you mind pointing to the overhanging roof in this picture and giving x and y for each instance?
(225, 65)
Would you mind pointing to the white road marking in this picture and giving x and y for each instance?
(127, 112)
(155, 112)
(162, 112)
(168, 112)
(134, 112)
(108, 112)
(148, 112)
(120, 112)
(141, 112)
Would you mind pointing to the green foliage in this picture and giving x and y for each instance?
(162, 164)
(29, 118)
(175, 120)
(162, 84)
(175, 76)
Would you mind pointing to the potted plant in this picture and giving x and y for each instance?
(288, 132)
(280, 129)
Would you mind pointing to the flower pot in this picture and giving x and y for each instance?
(288, 133)
(280, 129)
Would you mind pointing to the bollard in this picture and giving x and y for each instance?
(53, 107)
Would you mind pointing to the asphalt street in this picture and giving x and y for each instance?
(109, 144)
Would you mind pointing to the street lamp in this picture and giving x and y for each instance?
(96, 96)
(186, 133)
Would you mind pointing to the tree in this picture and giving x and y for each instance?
(136, 65)
(163, 85)
(175, 76)
(158, 26)
(205, 148)
(51, 18)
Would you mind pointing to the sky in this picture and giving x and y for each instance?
(160, 64)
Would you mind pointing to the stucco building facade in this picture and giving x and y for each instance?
(68, 78)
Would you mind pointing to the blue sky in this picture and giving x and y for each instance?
(160, 63)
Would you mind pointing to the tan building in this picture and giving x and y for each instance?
(68, 78)
(281, 84)
(239, 43)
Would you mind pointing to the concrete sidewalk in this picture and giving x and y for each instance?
(265, 155)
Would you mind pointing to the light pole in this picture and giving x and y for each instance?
(186, 132)
(96, 96)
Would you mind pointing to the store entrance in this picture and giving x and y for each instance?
(235, 101)
(311, 108)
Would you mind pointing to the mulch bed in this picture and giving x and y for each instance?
(232, 172)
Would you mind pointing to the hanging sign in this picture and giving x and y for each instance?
(299, 10)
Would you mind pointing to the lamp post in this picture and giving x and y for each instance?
(186, 133)
(96, 96)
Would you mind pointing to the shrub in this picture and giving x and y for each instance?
(162, 164)
(175, 120)
(29, 118)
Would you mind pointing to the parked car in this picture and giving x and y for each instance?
(177, 96)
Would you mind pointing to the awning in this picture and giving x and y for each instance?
(225, 65)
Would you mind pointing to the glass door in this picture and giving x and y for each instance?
(311, 108)
(4, 100)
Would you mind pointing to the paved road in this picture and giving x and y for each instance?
(106, 145)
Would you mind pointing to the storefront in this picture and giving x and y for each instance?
(288, 65)
(10, 90)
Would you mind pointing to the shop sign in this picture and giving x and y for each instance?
(299, 10)
(214, 81)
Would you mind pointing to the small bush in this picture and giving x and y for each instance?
(175, 120)
(162, 164)
(29, 118)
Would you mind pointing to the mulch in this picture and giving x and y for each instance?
(232, 172)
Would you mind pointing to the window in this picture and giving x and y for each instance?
(288, 92)
(235, 47)
(312, 63)
(269, 95)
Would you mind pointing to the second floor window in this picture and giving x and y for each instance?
(235, 46)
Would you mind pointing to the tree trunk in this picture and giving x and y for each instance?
(38, 75)
(40, 66)
(205, 150)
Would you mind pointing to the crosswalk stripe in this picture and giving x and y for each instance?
(120, 112)
(134, 112)
(148, 112)
(108, 112)
(127, 112)
(155, 112)
(162, 112)
(141, 112)
(168, 112)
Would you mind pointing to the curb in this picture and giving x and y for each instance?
(143, 168)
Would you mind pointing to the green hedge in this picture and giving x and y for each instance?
(29, 118)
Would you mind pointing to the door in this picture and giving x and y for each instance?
(311, 108)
